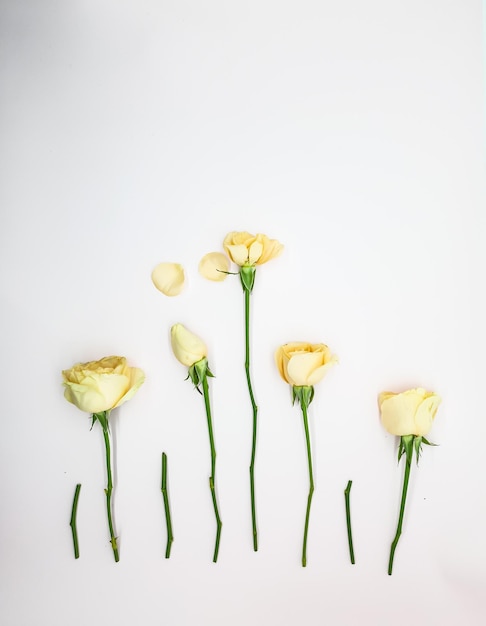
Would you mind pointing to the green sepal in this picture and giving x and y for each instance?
(406, 447)
(418, 445)
(247, 277)
(198, 372)
(304, 395)
(428, 443)
(102, 418)
(409, 443)
(401, 449)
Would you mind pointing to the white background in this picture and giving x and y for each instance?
(135, 132)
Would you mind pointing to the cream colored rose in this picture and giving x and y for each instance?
(187, 347)
(169, 278)
(246, 249)
(101, 385)
(304, 364)
(214, 266)
(411, 412)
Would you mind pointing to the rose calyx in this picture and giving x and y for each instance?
(198, 372)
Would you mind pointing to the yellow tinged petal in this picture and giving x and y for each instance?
(397, 414)
(137, 378)
(279, 360)
(239, 254)
(425, 414)
(301, 366)
(254, 252)
(319, 373)
(271, 249)
(169, 278)
(214, 265)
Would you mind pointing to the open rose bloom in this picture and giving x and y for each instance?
(304, 364)
(101, 385)
(411, 412)
(246, 249)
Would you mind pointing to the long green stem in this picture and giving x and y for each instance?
(408, 445)
(108, 491)
(311, 482)
(255, 419)
(72, 522)
(347, 492)
(212, 478)
(165, 494)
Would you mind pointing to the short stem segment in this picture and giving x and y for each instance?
(255, 419)
(311, 482)
(165, 494)
(72, 522)
(407, 442)
(109, 487)
(212, 478)
(347, 492)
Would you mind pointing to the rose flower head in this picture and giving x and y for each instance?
(246, 249)
(304, 364)
(101, 385)
(411, 412)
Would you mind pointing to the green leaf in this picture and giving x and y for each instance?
(428, 443)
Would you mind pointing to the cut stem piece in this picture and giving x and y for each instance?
(165, 494)
(347, 492)
(72, 522)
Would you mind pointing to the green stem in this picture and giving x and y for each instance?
(347, 492)
(408, 445)
(255, 423)
(109, 489)
(72, 522)
(212, 478)
(165, 494)
(311, 482)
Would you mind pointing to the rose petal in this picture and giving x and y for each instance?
(425, 414)
(214, 265)
(301, 366)
(254, 252)
(271, 249)
(169, 278)
(398, 413)
(238, 253)
(137, 377)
